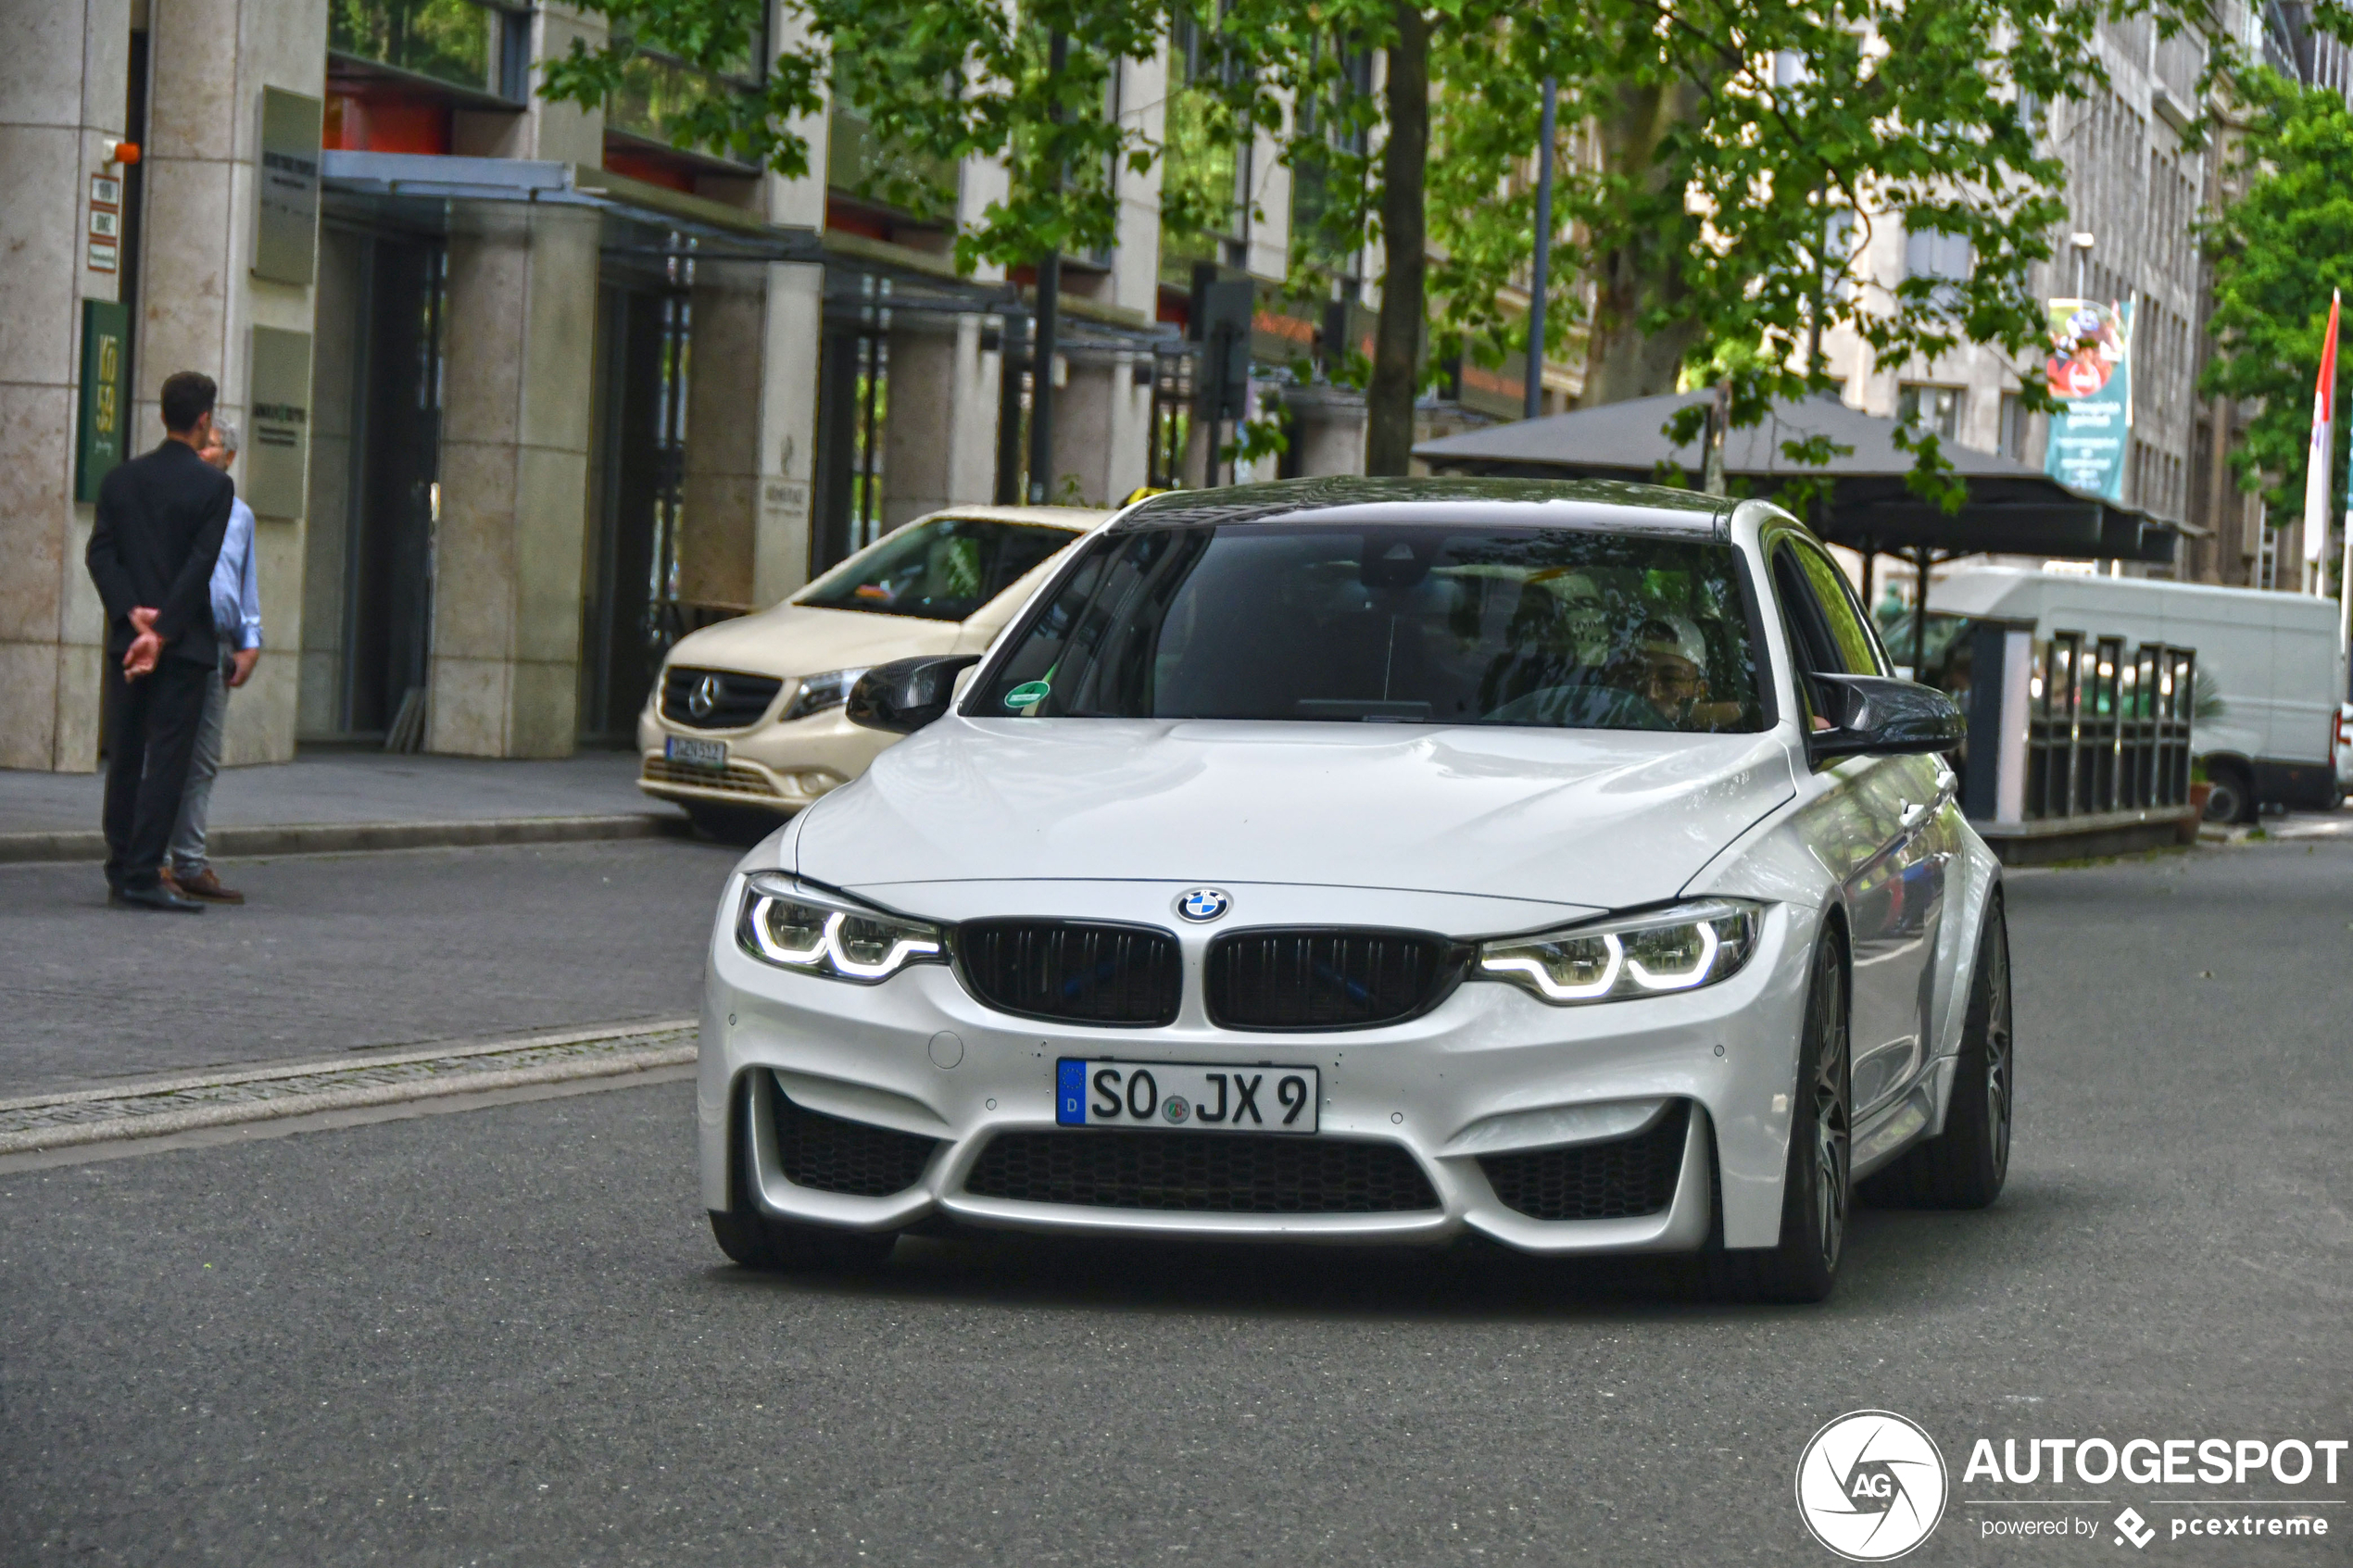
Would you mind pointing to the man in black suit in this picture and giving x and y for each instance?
(158, 530)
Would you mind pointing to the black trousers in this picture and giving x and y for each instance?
(151, 734)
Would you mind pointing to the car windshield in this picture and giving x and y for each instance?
(1548, 627)
(943, 570)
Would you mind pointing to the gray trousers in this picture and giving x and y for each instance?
(186, 855)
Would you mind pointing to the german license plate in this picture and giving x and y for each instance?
(1178, 1094)
(695, 753)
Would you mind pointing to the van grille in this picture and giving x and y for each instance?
(736, 701)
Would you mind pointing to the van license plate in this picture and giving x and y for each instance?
(695, 753)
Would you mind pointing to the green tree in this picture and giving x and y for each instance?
(1745, 149)
(2277, 253)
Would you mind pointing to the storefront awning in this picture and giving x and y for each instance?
(419, 189)
(2011, 508)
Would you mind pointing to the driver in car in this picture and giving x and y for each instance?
(1670, 675)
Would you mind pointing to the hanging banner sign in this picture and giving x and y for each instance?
(2091, 375)
(106, 400)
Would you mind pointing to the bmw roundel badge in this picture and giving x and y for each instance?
(1202, 905)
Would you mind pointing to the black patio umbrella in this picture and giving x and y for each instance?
(2011, 508)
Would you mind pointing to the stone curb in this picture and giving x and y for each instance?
(353, 1061)
(616, 1065)
(335, 839)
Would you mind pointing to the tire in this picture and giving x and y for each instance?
(2232, 798)
(759, 1241)
(741, 826)
(1816, 1193)
(1964, 1165)
(755, 1240)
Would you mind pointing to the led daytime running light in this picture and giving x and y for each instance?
(829, 953)
(1554, 989)
(1697, 976)
(1720, 933)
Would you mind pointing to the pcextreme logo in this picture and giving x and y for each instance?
(1870, 1486)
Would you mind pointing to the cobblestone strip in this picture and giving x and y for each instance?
(216, 1099)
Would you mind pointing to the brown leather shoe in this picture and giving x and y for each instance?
(205, 885)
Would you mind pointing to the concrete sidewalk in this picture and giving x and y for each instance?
(343, 800)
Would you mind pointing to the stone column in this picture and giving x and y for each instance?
(199, 300)
(327, 532)
(514, 486)
(940, 449)
(788, 427)
(64, 67)
(791, 326)
(720, 491)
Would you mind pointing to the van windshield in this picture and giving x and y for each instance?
(1553, 628)
(943, 570)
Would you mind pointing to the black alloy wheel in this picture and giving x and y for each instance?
(1817, 1189)
(1964, 1166)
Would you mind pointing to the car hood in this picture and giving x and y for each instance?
(1582, 818)
(800, 640)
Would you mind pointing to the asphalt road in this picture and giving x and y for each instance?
(337, 952)
(503, 1337)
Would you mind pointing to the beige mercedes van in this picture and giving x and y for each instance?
(745, 724)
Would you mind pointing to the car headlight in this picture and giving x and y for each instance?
(799, 928)
(1680, 948)
(818, 693)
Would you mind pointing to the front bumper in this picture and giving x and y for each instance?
(771, 766)
(1492, 1071)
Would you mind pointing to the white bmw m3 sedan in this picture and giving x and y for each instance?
(1379, 861)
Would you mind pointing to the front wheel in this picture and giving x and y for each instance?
(1816, 1188)
(755, 1239)
(2232, 798)
(759, 1241)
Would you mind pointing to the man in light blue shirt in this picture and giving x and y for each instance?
(236, 623)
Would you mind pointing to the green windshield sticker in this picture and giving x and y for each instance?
(1027, 694)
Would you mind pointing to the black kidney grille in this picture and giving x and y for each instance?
(1202, 1173)
(739, 701)
(1337, 979)
(1078, 970)
(833, 1155)
(1595, 1181)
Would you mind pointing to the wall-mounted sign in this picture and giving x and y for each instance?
(2091, 374)
(278, 447)
(105, 252)
(106, 401)
(285, 241)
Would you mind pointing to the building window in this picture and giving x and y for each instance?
(2016, 424)
(1936, 409)
(1203, 175)
(1944, 257)
(481, 49)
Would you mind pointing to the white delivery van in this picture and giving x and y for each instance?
(2266, 724)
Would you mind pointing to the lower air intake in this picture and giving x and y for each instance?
(1619, 1180)
(1202, 1173)
(829, 1154)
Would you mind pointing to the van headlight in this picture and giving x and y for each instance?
(1679, 948)
(817, 692)
(797, 927)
